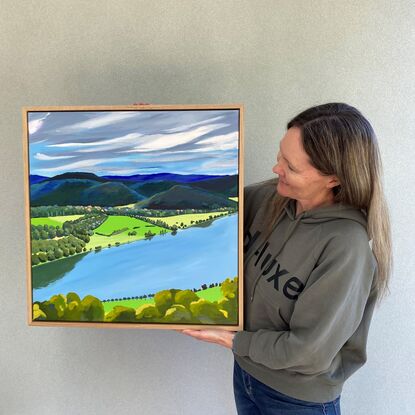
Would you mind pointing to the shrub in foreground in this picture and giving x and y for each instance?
(170, 306)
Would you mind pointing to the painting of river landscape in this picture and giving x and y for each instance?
(134, 216)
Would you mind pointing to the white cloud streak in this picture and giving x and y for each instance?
(221, 164)
(35, 125)
(164, 141)
(113, 142)
(41, 156)
(77, 165)
(112, 117)
(186, 127)
(220, 142)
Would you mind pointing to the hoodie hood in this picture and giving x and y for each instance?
(326, 213)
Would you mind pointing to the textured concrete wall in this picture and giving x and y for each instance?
(275, 57)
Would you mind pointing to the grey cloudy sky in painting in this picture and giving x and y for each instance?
(134, 142)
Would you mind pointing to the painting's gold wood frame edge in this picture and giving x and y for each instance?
(151, 326)
(160, 326)
(130, 107)
(27, 216)
(241, 222)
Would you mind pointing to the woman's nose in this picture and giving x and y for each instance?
(277, 169)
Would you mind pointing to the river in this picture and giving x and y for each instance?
(192, 257)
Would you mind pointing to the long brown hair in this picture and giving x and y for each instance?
(340, 141)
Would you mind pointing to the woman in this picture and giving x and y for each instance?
(317, 259)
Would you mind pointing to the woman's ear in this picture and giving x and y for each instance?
(333, 182)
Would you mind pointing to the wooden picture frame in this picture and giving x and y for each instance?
(134, 216)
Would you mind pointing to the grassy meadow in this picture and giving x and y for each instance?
(189, 219)
(53, 220)
(117, 229)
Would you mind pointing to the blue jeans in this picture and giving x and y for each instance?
(254, 398)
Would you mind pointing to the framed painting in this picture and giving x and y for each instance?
(134, 216)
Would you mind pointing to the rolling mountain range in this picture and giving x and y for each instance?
(157, 191)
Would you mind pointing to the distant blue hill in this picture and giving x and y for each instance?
(180, 178)
(80, 188)
(79, 176)
(34, 178)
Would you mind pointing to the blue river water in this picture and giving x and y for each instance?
(192, 257)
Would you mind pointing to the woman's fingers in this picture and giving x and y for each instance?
(222, 337)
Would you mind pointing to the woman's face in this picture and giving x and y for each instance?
(298, 179)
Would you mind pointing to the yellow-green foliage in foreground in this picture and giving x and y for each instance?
(170, 306)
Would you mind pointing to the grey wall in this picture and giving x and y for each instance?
(275, 57)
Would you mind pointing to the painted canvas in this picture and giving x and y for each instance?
(134, 216)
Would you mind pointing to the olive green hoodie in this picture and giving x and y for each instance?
(309, 297)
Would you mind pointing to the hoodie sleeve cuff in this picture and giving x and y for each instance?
(241, 343)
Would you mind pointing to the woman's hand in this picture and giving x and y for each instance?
(221, 337)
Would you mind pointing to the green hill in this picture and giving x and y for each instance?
(186, 197)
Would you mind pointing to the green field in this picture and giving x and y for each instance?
(188, 218)
(115, 223)
(210, 294)
(54, 220)
(116, 229)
